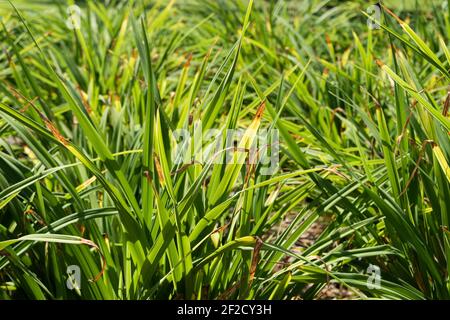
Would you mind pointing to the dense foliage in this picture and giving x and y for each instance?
(89, 104)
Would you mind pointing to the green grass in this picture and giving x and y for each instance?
(88, 167)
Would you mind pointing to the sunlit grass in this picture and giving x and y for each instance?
(88, 175)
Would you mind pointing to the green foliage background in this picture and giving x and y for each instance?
(88, 178)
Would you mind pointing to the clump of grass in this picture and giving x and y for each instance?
(89, 174)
